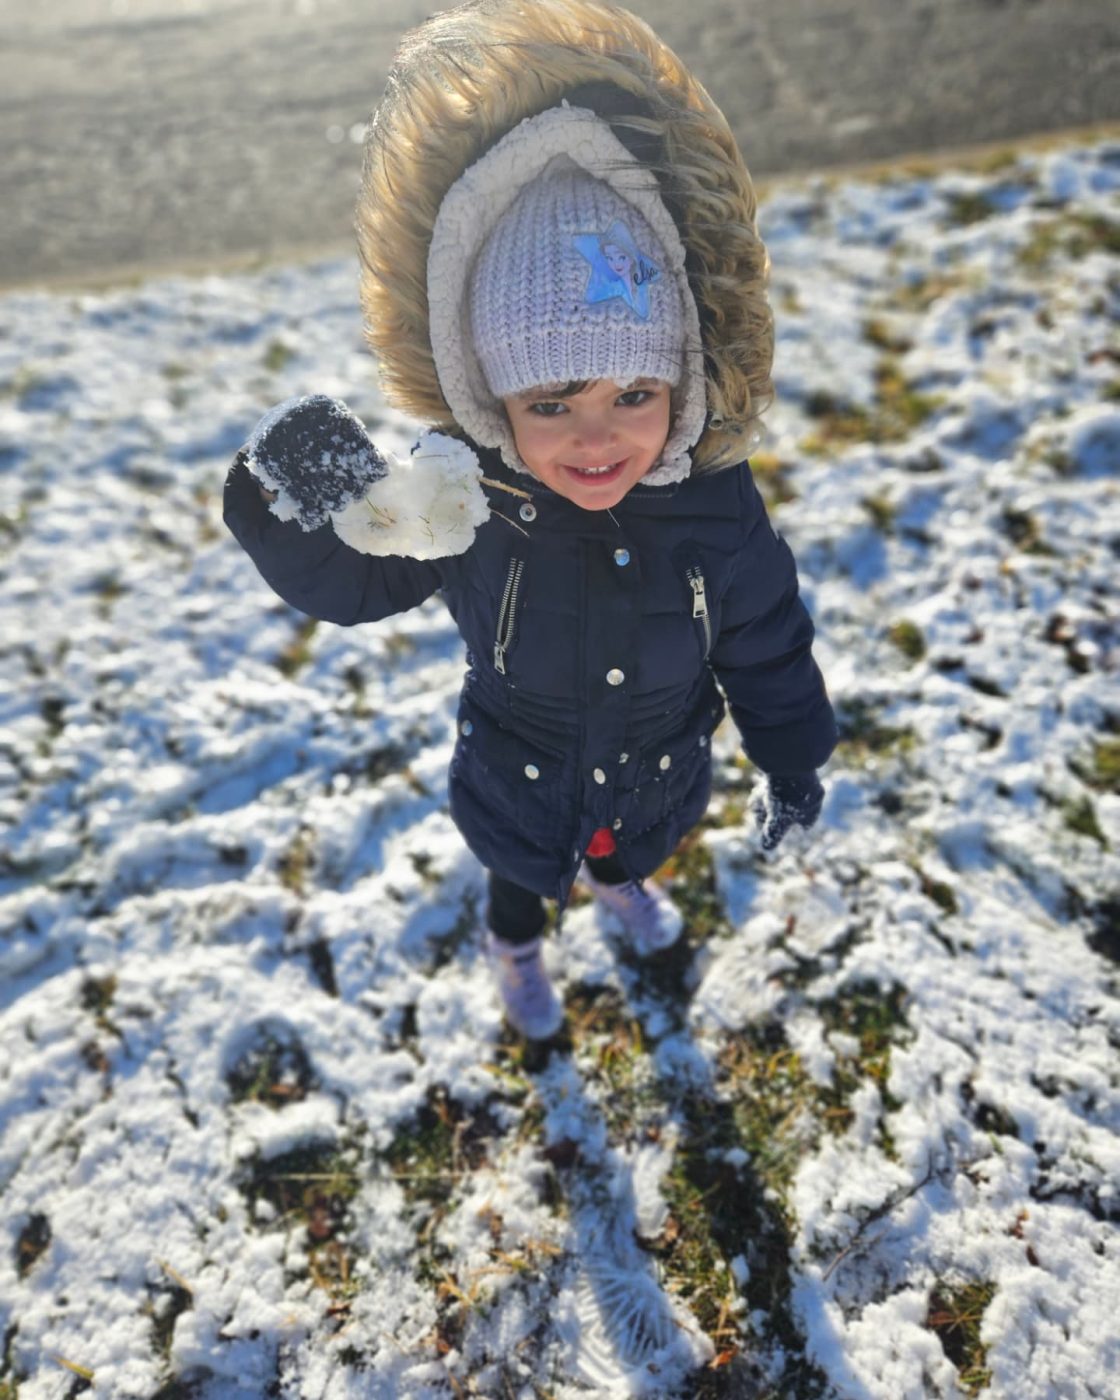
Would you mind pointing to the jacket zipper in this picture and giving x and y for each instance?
(700, 605)
(506, 615)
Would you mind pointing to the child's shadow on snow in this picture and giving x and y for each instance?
(623, 1325)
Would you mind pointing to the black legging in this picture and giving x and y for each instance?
(517, 914)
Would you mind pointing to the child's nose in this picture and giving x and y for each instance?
(592, 432)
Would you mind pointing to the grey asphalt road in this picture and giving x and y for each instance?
(151, 134)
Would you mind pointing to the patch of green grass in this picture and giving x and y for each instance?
(176, 1389)
(723, 1206)
(907, 637)
(969, 207)
(165, 1305)
(52, 709)
(790, 301)
(12, 524)
(990, 1118)
(897, 409)
(772, 476)
(273, 1070)
(613, 1057)
(32, 1242)
(1074, 235)
(295, 865)
(177, 394)
(920, 293)
(1102, 771)
(432, 1152)
(774, 1105)
(278, 355)
(107, 588)
(881, 510)
(310, 1189)
(383, 762)
(955, 1314)
(356, 684)
(877, 332)
(1110, 392)
(1024, 532)
(690, 878)
(862, 735)
(941, 894)
(450, 944)
(720, 1207)
(1081, 817)
(398, 647)
(429, 1157)
(25, 381)
(873, 1016)
(996, 162)
(297, 653)
(837, 424)
(97, 995)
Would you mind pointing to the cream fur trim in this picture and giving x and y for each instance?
(471, 208)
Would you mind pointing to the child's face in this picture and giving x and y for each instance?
(566, 442)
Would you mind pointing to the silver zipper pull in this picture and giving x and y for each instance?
(699, 598)
(499, 658)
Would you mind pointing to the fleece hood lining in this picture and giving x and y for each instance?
(468, 213)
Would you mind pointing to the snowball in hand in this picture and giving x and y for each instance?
(316, 455)
(426, 507)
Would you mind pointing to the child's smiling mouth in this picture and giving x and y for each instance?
(607, 473)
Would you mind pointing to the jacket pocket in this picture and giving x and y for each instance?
(499, 778)
(673, 774)
(506, 629)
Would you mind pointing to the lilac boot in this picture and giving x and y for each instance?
(651, 920)
(531, 1005)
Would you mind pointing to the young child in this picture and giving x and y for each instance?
(561, 270)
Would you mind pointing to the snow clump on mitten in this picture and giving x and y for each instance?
(426, 507)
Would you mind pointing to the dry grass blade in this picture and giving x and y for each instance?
(501, 486)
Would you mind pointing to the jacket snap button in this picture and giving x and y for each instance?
(599, 775)
(615, 676)
(532, 771)
(466, 727)
(528, 511)
(666, 762)
(621, 556)
(703, 741)
(617, 824)
(623, 757)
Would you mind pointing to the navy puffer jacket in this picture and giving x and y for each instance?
(594, 647)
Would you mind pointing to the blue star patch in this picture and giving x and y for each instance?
(619, 269)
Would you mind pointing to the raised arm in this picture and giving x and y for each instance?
(313, 570)
(308, 467)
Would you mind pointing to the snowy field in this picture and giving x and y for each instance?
(263, 1133)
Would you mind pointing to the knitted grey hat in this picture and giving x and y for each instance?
(572, 284)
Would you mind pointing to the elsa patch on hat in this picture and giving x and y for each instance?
(619, 269)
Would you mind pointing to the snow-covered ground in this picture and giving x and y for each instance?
(262, 1130)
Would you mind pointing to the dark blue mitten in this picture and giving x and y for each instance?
(316, 455)
(786, 801)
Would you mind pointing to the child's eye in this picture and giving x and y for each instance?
(544, 408)
(634, 398)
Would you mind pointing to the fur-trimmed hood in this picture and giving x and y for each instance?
(465, 79)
